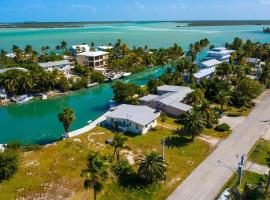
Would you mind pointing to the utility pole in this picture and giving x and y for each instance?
(240, 169)
(163, 148)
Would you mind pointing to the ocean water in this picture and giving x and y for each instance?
(37, 121)
(153, 34)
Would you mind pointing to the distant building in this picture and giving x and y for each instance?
(131, 118)
(93, 59)
(105, 48)
(63, 66)
(204, 73)
(255, 62)
(209, 63)
(75, 49)
(169, 99)
(220, 53)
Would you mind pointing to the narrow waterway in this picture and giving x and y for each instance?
(36, 121)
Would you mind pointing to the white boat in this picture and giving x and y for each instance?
(92, 85)
(44, 97)
(114, 77)
(22, 99)
(126, 74)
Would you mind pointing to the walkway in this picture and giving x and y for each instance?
(206, 181)
(257, 168)
(87, 128)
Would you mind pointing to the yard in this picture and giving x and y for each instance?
(54, 172)
(261, 153)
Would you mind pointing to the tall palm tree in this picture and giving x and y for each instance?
(193, 122)
(96, 172)
(191, 69)
(152, 167)
(66, 118)
(180, 65)
(63, 45)
(223, 98)
(265, 75)
(196, 97)
(163, 118)
(118, 143)
(208, 113)
(162, 57)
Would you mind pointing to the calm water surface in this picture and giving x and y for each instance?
(37, 120)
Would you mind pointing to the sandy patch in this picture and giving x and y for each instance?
(232, 121)
(129, 156)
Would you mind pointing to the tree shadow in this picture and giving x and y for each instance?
(131, 181)
(268, 159)
(177, 141)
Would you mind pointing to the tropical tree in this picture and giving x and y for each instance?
(223, 97)
(193, 122)
(163, 118)
(196, 97)
(96, 172)
(118, 143)
(8, 164)
(66, 118)
(63, 45)
(265, 75)
(209, 115)
(152, 167)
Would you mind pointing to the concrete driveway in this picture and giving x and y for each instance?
(206, 181)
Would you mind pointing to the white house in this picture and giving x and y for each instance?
(75, 49)
(131, 118)
(209, 63)
(220, 53)
(63, 66)
(169, 99)
(204, 73)
(93, 59)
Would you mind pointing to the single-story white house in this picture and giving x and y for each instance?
(63, 66)
(169, 99)
(132, 118)
(255, 62)
(209, 63)
(75, 49)
(204, 73)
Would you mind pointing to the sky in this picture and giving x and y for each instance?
(129, 10)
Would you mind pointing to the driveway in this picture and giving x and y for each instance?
(206, 181)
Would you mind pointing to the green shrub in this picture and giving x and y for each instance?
(222, 127)
(15, 145)
(32, 147)
(234, 114)
(122, 168)
(8, 164)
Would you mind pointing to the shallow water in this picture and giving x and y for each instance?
(37, 121)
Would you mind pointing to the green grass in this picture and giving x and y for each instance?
(216, 134)
(261, 153)
(58, 167)
(248, 178)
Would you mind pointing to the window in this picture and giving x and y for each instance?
(137, 127)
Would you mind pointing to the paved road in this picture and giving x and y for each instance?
(206, 181)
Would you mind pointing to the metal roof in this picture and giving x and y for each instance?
(13, 68)
(204, 72)
(141, 115)
(93, 53)
(210, 63)
(53, 64)
(148, 97)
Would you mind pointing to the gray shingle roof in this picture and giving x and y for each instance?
(141, 115)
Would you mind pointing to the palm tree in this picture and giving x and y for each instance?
(96, 172)
(208, 114)
(66, 117)
(162, 57)
(118, 143)
(196, 97)
(152, 167)
(193, 123)
(58, 47)
(180, 65)
(163, 118)
(191, 69)
(265, 75)
(63, 45)
(223, 98)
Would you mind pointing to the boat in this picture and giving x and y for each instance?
(126, 74)
(92, 84)
(114, 76)
(22, 99)
(44, 97)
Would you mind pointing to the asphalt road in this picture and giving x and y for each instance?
(206, 181)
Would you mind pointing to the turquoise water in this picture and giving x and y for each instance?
(37, 120)
(153, 34)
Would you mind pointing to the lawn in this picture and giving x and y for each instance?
(261, 153)
(54, 172)
(248, 178)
